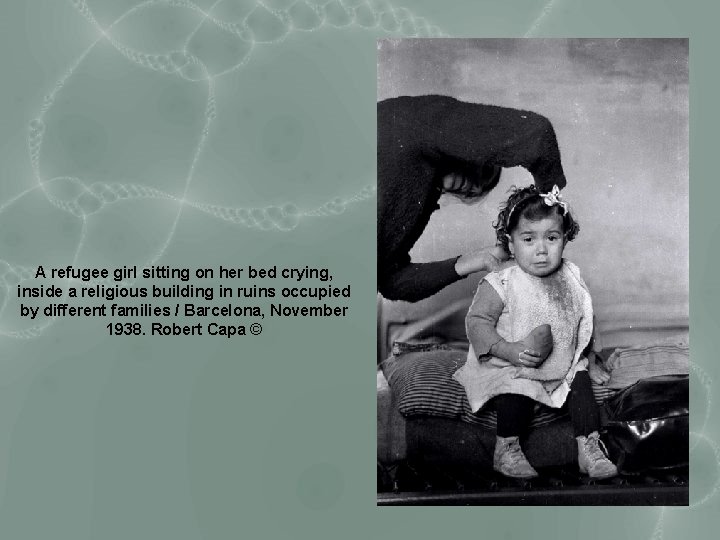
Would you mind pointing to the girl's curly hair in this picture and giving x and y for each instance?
(527, 202)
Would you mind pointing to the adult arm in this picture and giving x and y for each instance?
(415, 281)
(486, 134)
(420, 139)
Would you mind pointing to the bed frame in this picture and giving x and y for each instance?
(410, 481)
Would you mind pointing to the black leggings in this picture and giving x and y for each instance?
(514, 411)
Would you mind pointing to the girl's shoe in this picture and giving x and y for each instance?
(592, 457)
(510, 460)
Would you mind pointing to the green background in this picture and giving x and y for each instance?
(273, 436)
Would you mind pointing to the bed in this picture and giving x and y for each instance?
(433, 450)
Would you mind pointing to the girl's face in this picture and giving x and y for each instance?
(538, 245)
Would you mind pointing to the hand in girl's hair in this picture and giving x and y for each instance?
(484, 260)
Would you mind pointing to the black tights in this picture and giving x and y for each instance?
(514, 411)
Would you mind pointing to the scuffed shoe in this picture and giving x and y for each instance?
(510, 460)
(592, 457)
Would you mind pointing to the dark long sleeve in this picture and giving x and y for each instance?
(486, 134)
(415, 281)
(420, 140)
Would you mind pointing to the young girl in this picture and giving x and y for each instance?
(528, 326)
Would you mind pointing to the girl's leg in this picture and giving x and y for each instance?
(514, 412)
(592, 458)
(583, 408)
(513, 416)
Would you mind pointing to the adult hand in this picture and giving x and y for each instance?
(483, 260)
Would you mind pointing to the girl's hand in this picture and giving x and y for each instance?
(598, 374)
(540, 341)
(524, 357)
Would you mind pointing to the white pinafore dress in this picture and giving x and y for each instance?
(561, 300)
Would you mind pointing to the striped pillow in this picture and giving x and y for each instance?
(420, 379)
(628, 365)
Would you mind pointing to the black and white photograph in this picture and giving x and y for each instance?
(533, 272)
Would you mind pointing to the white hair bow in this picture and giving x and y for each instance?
(553, 198)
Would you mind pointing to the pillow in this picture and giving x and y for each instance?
(420, 378)
(630, 364)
